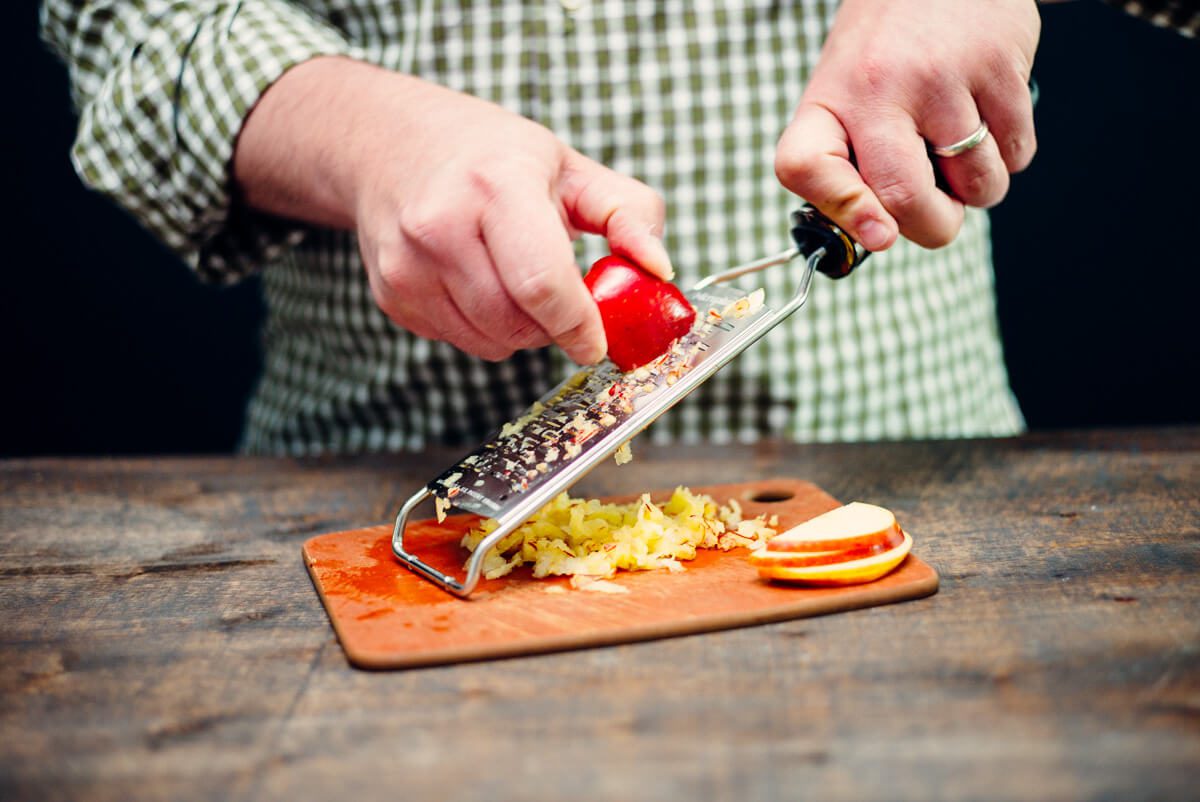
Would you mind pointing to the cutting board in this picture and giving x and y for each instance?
(387, 617)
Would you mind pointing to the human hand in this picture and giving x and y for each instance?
(465, 212)
(895, 75)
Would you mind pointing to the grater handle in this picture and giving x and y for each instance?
(474, 564)
(412, 561)
(812, 231)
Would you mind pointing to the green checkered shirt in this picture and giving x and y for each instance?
(690, 97)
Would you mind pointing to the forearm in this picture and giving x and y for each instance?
(321, 132)
(297, 153)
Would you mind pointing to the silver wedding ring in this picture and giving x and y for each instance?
(962, 146)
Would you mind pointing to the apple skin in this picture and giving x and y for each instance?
(642, 314)
(769, 558)
(852, 572)
(879, 541)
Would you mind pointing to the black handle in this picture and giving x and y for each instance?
(812, 230)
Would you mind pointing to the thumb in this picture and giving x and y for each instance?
(813, 160)
(622, 209)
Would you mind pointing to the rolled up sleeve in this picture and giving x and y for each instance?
(162, 88)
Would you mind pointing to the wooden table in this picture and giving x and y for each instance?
(160, 639)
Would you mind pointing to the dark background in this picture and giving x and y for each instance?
(110, 346)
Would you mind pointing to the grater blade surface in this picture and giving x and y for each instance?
(591, 414)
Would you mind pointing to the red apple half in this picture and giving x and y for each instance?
(642, 314)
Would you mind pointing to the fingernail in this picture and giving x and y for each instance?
(874, 235)
(589, 353)
(660, 258)
(591, 356)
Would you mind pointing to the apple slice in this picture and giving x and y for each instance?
(853, 526)
(767, 558)
(642, 314)
(852, 572)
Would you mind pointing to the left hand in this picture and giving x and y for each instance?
(895, 76)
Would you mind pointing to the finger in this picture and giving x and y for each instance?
(445, 254)
(1005, 102)
(622, 209)
(479, 294)
(473, 284)
(536, 264)
(977, 177)
(405, 286)
(813, 161)
(466, 335)
(385, 270)
(892, 159)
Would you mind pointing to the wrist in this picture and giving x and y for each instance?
(302, 149)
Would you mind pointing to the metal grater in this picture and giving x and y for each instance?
(589, 416)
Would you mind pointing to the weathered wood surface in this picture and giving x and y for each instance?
(159, 639)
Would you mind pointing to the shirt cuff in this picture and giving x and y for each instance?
(160, 137)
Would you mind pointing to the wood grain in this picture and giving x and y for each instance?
(387, 617)
(160, 639)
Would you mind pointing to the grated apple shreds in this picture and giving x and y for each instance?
(588, 538)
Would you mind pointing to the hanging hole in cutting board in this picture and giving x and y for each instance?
(771, 495)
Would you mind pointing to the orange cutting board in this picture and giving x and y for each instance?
(387, 617)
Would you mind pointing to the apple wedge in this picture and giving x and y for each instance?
(851, 572)
(854, 526)
(767, 558)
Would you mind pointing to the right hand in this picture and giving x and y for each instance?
(895, 75)
(464, 211)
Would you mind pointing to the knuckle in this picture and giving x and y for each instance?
(486, 181)
(796, 168)
(573, 335)
(977, 188)
(843, 202)
(393, 278)
(928, 76)
(985, 188)
(426, 226)
(876, 74)
(639, 195)
(534, 290)
(998, 65)
(517, 331)
(627, 224)
(491, 176)
(529, 335)
(464, 339)
(898, 197)
(1021, 150)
